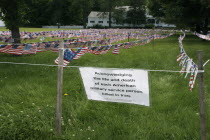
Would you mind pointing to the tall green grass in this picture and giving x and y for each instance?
(28, 97)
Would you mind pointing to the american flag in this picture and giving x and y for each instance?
(108, 47)
(2, 47)
(116, 49)
(40, 47)
(5, 48)
(81, 52)
(55, 48)
(99, 50)
(126, 45)
(89, 49)
(68, 56)
(34, 48)
(102, 42)
(191, 77)
(47, 46)
(30, 49)
(16, 50)
(192, 82)
(93, 49)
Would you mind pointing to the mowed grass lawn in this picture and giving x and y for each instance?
(28, 97)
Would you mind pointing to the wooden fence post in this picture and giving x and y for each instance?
(201, 96)
(59, 89)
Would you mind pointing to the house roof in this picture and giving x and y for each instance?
(126, 8)
(95, 14)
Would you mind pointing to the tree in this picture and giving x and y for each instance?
(85, 7)
(119, 15)
(16, 13)
(137, 13)
(109, 6)
(11, 14)
(183, 13)
(53, 12)
(37, 14)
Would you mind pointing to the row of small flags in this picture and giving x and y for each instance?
(19, 49)
(86, 34)
(206, 37)
(70, 54)
(187, 64)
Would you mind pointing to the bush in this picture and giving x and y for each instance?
(149, 26)
(98, 26)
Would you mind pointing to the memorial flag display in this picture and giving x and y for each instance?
(93, 39)
(187, 64)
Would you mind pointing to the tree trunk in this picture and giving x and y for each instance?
(84, 23)
(84, 18)
(110, 13)
(13, 18)
(197, 28)
(110, 19)
(15, 34)
(84, 14)
(205, 26)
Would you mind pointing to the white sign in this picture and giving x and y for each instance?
(126, 86)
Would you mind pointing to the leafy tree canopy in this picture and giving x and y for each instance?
(182, 13)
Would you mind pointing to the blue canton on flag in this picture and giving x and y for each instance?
(68, 56)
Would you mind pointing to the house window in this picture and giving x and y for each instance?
(100, 21)
(92, 21)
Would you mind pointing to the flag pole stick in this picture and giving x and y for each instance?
(59, 89)
(153, 37)
(201, 96)
(128, 37)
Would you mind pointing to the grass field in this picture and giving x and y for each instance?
(28, 97)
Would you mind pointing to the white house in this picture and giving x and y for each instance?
(102, 19)
(2, 23)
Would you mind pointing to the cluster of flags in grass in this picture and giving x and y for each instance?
(19, 49)
(187, 64)
(84, 35)
(94, 46)
(70, 54)
(206, 37)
